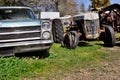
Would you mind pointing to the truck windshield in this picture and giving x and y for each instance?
(13, 14)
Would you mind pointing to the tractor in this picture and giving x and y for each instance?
(93, 25)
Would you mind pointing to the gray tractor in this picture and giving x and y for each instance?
(86, 26)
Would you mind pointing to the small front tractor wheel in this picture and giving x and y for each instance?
(57, 30)
(109, 36)
(71, 40)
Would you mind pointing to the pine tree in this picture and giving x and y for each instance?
(82, 7)
(89, 8)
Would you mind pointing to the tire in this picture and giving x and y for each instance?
(71, 40)
(57, 30)
(109, 40)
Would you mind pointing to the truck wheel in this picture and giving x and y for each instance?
(109, 40)
(57, 30)
(71, 40)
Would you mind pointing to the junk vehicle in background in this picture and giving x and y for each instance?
(109, 13)
(57, 26)
(100, 24)
(110, 16)
(20, 31)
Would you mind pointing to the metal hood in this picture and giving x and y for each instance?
(19, 23)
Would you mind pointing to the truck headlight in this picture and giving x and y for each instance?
(46, 35)
(46, 25)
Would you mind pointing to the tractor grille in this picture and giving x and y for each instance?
(92, 26)
(10, 34)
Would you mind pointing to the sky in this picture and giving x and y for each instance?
(87, 2)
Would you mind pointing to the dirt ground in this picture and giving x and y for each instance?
(109, 69)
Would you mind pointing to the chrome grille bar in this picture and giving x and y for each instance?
(10, 34)
(23, 32)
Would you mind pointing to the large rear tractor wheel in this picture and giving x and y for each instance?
(109, 37)
(71, 40)
(57, 30)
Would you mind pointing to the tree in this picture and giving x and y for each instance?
(89, 8)
(82, 7)
(1, 2)
(66, 7)
(11, 2)
(62, 6)
(96, 4)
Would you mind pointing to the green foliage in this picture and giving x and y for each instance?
(100, 3)
(12, 68)
(61, 60)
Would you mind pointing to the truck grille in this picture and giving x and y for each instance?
(92, 26)
(10, 34)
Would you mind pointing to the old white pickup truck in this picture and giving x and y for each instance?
(20, 31)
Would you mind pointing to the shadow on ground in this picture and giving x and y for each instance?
(118, 44)
(82, 44)
(101, 44)
(39, 54)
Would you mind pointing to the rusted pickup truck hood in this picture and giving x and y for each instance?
(19, 23)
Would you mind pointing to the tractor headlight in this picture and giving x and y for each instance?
(46, 25)
(46, 35)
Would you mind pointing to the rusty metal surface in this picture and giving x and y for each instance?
(110, 16)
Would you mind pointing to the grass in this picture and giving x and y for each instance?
(12, 68)
(117, 36)
(61, 60)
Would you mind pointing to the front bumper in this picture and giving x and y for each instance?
(26, 46)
